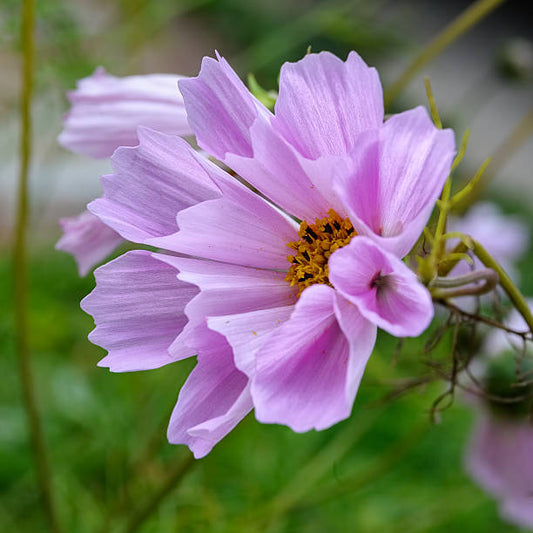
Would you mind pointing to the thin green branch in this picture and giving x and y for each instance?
(175, 477)
(466, 20)
(44, 475)
(506, 283)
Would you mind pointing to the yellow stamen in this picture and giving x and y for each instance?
(309, 265)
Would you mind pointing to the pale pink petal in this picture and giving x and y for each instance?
(87, 239)
(324, 103)
(383, 288)
(361, 335)
(138, 309)
(151, 183)
(301, 371)
(398, 173)
(213, 400)
(220, 109)
(106, 110)
(240, 228)
(275, 170)
(247, 332)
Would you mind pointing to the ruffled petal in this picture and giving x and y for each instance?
(240, 228)
(301, 371)
(275, 170)
(398, 173)
(324, 103)
(87, 239)
(226, 290)
(151, 183)
(213, 400)
(247, 332)
(221, 109)
(106, 110)
(138, 309)
(383, 288)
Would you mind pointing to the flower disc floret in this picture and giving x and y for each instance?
(309, 265)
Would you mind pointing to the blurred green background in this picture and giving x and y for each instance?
(387, 468)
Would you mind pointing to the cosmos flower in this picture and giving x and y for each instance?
(283, 282)
(499, 455)
(499, 459)
(105, 113)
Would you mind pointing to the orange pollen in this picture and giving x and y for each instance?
(309, 263)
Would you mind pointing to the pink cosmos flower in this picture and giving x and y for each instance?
(500, 459)
(280, 291)
(499, 455)
(105, 114)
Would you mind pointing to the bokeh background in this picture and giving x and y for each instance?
(387, 468)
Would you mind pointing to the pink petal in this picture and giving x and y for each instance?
(213, 400)
(240, 228)
(361, 335)
(382, 287)
(150, 184)
(302, 370)
(276, 171)
(247, 332)
(106, 111)
(225, 290)
(138, 308)
(398, 174)
(324, 103)
(87, 239)
(220, 109)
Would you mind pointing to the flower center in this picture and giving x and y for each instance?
(309, 264)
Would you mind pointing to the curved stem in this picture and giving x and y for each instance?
(19, 271)
(173, 480)
(506, 283)
(466, 20)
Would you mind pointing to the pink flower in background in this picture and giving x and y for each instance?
(484, 221)
(279, 294)
(105, 113)
(499, 456)
(500, 459)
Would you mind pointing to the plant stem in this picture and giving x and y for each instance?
(506, 283)
(466, 20)
(173, 480)
(19, 270)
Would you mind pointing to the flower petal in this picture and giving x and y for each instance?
(150, 184)
(385, 291)
(398, 174)
(276, 171)
(301, 371)
(213, 400)
(106, 111)
(361, 334)
(220, 109)
(324, 103)
(247, 332)
(241, 228)
(87, 239)
(137, 307)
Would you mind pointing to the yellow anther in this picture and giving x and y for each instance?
(317, 242)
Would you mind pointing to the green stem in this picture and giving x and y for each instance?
(466, 20)
(19, 271)
(506, 283)
(173, 480)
